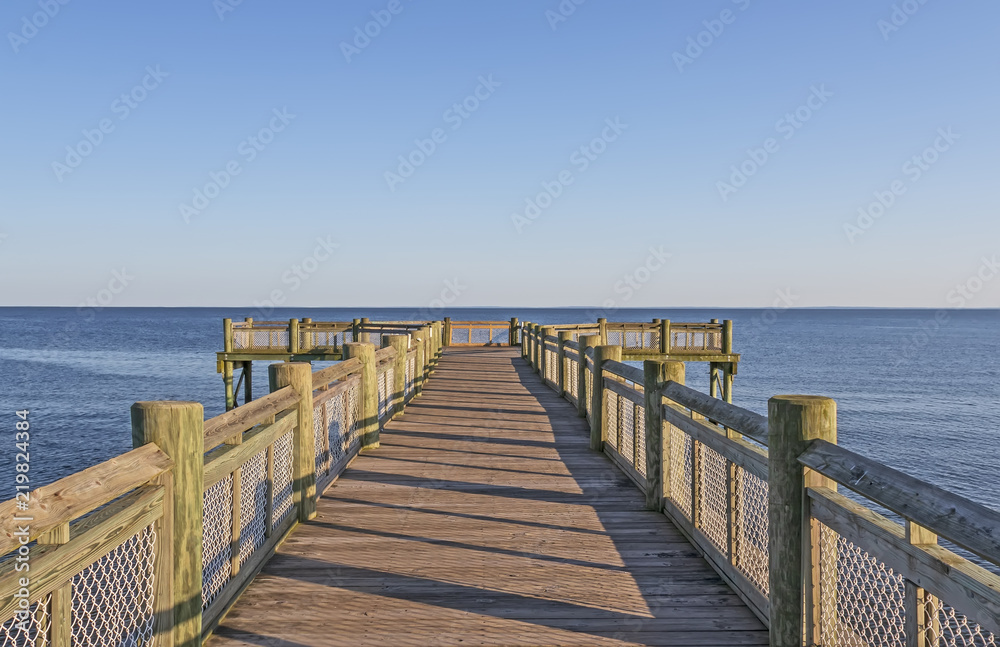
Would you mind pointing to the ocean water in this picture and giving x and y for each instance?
(916, 389)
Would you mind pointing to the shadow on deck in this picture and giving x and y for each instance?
(485, 519)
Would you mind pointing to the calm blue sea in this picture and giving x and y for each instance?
(918, 390)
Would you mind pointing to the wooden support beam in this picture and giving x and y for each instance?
(794, 421)
(655, 376)
(369, 392)
(298, 375)
(598, 425)
(177, 428)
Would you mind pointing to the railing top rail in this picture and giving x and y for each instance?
(260, 324)
(495, 324)
(630, 373)
(572, 345)
(384, 354)
(736, 418)
(968, 524)
(338, 371)
(78, 494)
(240, 419)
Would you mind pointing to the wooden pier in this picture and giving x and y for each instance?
(485, 519)
(502, 483)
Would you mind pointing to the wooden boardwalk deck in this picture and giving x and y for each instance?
(485, 519)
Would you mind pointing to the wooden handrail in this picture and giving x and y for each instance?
(232, 423)
(736, 418)
(338, 371)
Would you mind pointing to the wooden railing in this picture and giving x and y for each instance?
(645, 339)
(306, 336)
(153, 546)
(481, 333)
(758, 496)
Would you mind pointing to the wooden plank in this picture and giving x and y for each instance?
(338, 371)
(630, 373)
(967, 523)
(223, 461)
(235, 422)
(74, 496)
(745, 422)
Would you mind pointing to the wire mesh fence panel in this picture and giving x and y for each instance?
(253, 506)
(611, 416)
(217, 554)
(32, 631)
(681, 466)
(321, 421)
(384, 389)
(946, 627)
(461, 336)
(500, 336)
(282, 479)
(750, 554)
(861, 599)
(113, 598)
(551, 366)
(411, 375)
(713, 496)
(626, 415)
(572, 373)
(639, 433)
(616, 338)
(589, 374)
(352, 416)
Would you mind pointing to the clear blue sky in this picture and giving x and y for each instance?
(879, 97)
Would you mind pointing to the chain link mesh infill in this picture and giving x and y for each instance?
(461, 336)
(411, 374)
(861, 599)
(113, 597)
(590, 387)
(32, 632)
(949, 628)
(551, 365)
(572, 378)
(321, 422)
(282, 479)
(750, 531)
(713, 495)
(612, 419)
(217, 552)
(681, 465)
(253, 506)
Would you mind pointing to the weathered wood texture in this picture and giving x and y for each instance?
(485, 519)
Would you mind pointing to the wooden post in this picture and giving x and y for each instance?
(585, 341)
(298, 375)
(512, 336)
(656, 374)
(247, 381)
(61, 605)
(919, 620)
(307, 339)
(355, 331)
(602, 330)
(178, 429)
(561, 381)
(369, 392)
(727, 381)
(401, 344)
(598, 425)
(227, 380)
(713, 379)
(227, 335)
(665, 336)
(363, 335)
(537, 362)
(293, 336)
(793, 422)
(447, 331)
(727, 336)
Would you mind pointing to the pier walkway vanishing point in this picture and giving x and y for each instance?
(491, 482)
(485, 519)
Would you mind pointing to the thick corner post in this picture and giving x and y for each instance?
(656, 374)
(447, 331)
(598, 425)
(602, 330)
(298, 375)
(400, 344)
(585, 341)
(512, 336)
(178, 429)
(369, 392)
(665, 336)
(794, 421)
